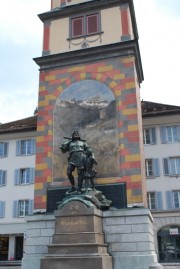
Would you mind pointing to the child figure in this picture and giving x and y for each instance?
(89, 172)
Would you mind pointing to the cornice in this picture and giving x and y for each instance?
(120, 49)
(161, 113)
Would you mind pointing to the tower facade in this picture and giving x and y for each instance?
(90, 74)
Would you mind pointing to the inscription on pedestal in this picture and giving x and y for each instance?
(73, 208)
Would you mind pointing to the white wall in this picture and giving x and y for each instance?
(160, 151)
(12, 192)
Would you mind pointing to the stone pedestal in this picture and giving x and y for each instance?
(78, 241)
(129, 234)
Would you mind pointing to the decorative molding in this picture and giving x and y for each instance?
(121, 49)
(85, 40)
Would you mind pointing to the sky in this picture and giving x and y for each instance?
(21, 33)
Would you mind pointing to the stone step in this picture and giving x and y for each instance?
(67, 238)
(77, 249)
(95, 262)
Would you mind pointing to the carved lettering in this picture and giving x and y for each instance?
(72, 223)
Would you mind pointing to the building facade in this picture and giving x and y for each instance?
(161, 133)
(161, 130)
(17, 170)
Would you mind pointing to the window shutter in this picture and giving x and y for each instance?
(30, 207)
(16, 176)
(169, 200)
(2, 209)
(15, 208)
(178, 165)
(77, 27)
(92, 24)
(153, 136)
(166, 166)
(163, 135)
(4, 177)
(178, 133)
(18, 148)
(156, 167)
(6, 149)
(159, 200)
(32, 175)
(33, 146)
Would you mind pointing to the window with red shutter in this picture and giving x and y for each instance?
(92, 24)
(87, 24)
(77, 26)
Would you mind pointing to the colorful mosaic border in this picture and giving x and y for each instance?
(119, 76)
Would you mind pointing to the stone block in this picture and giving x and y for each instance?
(36, 249)
(95, 262)
(128, 247)
(41, 241)
(47, 232)
(141, 228)
(155, 266)
(33, 233)
(77, 249)
(125, 229)
(135, 237)
(132, 261)
(115, 221)
(31, 261)
(78, 238)
(114, 238)
(137, 220)
(145, 246)
(50, 224)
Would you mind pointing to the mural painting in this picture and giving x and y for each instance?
(89, 107)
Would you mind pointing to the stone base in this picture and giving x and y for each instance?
(133, 261)
(31, 261)
(128, 233)
(155, 266)
(55, 262)
(78, 241)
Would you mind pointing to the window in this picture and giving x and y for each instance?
(3, 149)
(172, 166)
(152, 168)
(176, 195)
(151, 197)
(173, 199)
(24, 176)
(149, 136)
(3, 176)
(25, 147)
(170, 134)
(154, 200)
(2, 209)
(22, 208)
(85, 25)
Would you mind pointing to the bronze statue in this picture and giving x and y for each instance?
(80, 158)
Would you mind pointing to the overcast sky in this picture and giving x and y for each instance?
(21, 32)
